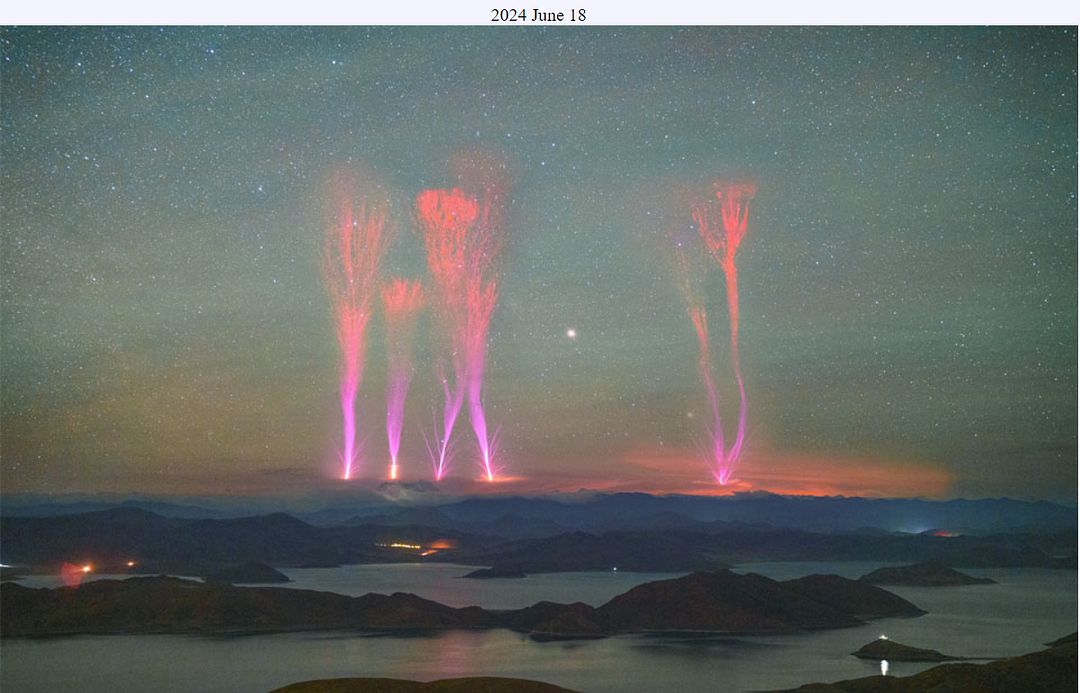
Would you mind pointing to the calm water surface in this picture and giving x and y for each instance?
(1028, 608)
(444, 583)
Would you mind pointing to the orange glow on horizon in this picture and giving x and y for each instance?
(499, 479)
(72, 574)
(642, 470)
(794, 474)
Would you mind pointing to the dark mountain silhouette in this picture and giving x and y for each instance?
(508, 526)
(725, 601)
(472, 684)
(851, 597)
(928, 574)
(604, 512)
(701, 602)
(186, 546)
(173, 605)
(549, 619)
(44, 506)
(422, 515)
(493, 573)
(597, 512)
(156, 542)
(883, 648)
(573, 551)
(720, 601)
(718, 545)
(199, 547)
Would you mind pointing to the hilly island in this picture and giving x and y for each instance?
(717, 602)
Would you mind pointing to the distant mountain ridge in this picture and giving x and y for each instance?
(712, 546)
(201, 546)
(605, 512)
(599, 512)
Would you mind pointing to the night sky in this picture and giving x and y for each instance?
(908, 281)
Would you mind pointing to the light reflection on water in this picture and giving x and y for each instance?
(1028, 608)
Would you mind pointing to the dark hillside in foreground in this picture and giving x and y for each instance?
(478, 684)
(1053, 670)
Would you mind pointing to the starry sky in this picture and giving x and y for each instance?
(908, 283)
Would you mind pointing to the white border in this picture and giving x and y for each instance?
(598, 12)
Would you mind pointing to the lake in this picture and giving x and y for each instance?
(1028, 607)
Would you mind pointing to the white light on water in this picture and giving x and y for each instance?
(884, 667)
